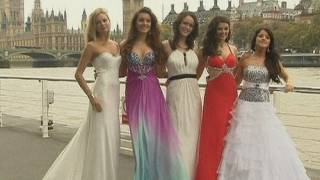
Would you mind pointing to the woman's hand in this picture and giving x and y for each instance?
(288, 88)
(96, 106)
(167, 83)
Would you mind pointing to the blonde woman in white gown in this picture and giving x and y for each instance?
(183, 95)
(93, 153)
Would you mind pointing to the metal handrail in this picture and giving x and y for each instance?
(274, 88)
(298, 89)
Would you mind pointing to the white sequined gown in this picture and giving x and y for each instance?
(257, 145)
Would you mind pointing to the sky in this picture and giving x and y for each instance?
(161, 8)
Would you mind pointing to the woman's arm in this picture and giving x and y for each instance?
(86, 59)
(123, 69)
(161, 71)
(238, 72)
(201, 64)
(285, 76)
(161, 68)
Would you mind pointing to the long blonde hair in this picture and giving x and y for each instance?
(91, 31)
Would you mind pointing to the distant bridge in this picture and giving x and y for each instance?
(301, 60)
(39, 54)
(57, 56)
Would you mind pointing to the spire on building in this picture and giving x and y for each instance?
(229, 5)
(118, 28)
(52, 14)
(60, 16)
(215, 7)
(28, 24)
(84, 15)
(84, 20)
(37, 4)
(201, 7)
(185, 7)
(65, 15)
(172, 11)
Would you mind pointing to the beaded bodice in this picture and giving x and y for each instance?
(255, 84)
(141, 65)
(217, 66)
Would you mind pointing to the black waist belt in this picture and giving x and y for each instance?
(182, 76)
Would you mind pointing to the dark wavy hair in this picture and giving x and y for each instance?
(210, 41)
(272, 61)
(176, 33)
(153, 36)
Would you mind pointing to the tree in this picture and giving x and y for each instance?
(301, 37)
(202, 33)
(243, 31)
(316, 5)
(166, 32)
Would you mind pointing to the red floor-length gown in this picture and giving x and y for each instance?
(219, 98)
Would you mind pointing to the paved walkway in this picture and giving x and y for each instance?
(25, 155)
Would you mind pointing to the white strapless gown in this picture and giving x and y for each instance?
(258, 146)
(93, 152)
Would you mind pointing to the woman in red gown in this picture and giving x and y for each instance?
(220, 94)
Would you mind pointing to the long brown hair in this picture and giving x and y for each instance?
(272, 61)
(153, 37)
(176, 33)
(210, 41)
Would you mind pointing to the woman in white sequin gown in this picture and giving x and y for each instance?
(93, 152)
(257, 145)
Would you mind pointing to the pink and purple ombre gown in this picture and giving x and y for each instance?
(155, 142)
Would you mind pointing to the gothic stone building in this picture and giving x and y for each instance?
(267, 9)
(307, 9)
(203, 15)
(47, 31)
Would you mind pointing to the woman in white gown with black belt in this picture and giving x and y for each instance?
(257, 145)
(93, 153)
(183, 95)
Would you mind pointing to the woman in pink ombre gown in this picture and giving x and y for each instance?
(155, 142)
